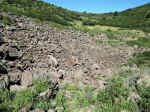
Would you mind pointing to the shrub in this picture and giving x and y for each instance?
(144, 93)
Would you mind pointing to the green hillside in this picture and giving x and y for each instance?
(39, 10)
(136, 18)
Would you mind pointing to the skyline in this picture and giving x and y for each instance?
(97, 6)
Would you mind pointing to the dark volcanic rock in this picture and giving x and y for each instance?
(2, 41)
(3, 69)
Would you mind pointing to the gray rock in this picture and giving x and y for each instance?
(52, 61)
(26, 79)
(15, 77)
(13, 53)
(4, 82)
(15, 88)
(51, 110)
(37, 110)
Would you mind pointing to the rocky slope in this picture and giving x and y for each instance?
(30, 50)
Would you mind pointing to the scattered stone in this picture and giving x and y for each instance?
(26, 79)
(46, 94)
(4, 82)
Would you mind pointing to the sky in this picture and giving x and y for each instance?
(98, 6)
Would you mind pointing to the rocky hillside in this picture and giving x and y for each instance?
(27, 46)
(32, 51)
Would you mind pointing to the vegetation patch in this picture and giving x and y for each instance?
(140, 59)
(114, 98)
(5, 20)
(13, 102)
(140, 42)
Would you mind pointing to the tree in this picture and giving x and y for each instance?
(115, 13)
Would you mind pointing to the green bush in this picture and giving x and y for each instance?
(6, 20)
(12, 102)
(140, 59)
(144, 93)
(140, 42)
